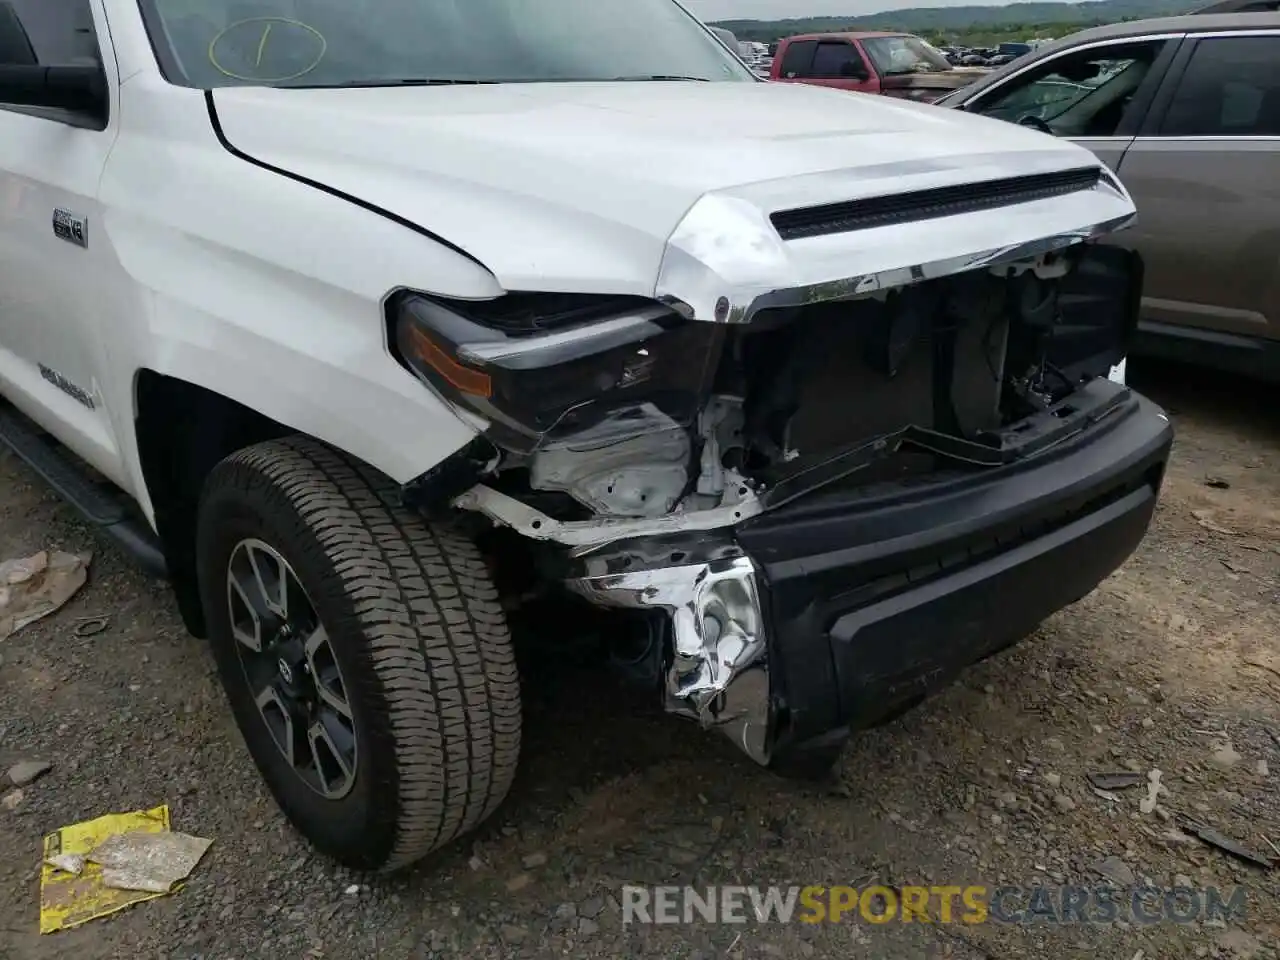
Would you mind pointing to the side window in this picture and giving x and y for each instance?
(47, 33)
(797, 58)
(835, 59)
(1231, 88)
(1080, 94)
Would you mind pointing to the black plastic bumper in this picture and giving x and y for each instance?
(872, 604)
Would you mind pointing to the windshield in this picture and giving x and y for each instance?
(342, 43)
(895, 55)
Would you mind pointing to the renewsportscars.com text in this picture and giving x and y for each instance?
(970, 904)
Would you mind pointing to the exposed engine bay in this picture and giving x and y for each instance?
(645, 447)
(692, 425)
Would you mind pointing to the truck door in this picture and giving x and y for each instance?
(54, 258)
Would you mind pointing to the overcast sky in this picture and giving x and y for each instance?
(779, 9)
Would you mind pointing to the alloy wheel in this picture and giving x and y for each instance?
(291, 670)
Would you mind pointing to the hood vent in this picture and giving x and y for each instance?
(853, 215)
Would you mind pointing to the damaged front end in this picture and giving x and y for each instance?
(635, 437)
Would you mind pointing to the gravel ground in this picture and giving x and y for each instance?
(1167, 663)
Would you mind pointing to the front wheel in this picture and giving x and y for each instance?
(363, 650)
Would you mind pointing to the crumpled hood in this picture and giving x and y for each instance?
(578, 186)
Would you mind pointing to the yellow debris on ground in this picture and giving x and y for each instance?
(68, 900)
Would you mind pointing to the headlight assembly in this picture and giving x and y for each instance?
(539, 366)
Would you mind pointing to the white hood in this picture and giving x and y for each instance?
(578, 186)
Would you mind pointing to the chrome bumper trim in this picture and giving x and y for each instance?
(719, 669)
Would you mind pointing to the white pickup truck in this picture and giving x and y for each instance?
(331, 310)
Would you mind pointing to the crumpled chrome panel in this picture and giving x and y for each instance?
(719, 671)
(725, 261)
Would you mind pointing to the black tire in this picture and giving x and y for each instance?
(422, 651)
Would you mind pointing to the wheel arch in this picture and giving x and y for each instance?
(183, 430)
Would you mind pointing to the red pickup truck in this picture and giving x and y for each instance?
(895, 64)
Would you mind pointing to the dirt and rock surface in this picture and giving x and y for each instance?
(1172, 664)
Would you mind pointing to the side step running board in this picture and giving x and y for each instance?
(98, 502)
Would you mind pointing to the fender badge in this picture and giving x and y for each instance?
(70, 227)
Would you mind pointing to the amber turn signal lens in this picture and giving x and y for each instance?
(466, 380)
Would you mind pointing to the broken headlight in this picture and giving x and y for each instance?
(544, 366)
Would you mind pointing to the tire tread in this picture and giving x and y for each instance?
(435, 633)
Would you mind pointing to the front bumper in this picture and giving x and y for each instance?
(840, 609)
